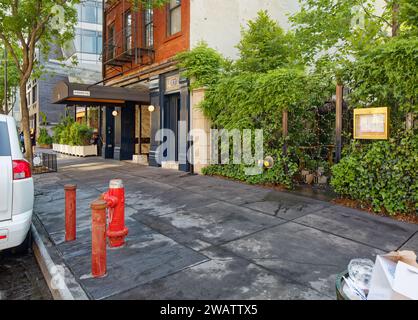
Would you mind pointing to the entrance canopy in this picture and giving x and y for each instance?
(76, 93)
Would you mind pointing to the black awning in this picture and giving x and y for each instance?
(77, 93)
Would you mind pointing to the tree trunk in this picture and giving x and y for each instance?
(395, 19)
(25, 121)
(409, 121)
(338, 121)
(285, 129)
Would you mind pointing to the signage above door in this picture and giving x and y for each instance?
(172, 83)
(81, 93)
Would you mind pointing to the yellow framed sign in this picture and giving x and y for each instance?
(371, 123)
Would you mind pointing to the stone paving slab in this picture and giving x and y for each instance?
(286, 206)
(52, 216)
(181, 236)
(412, 244)
(225, 277)
(302, 254)
(380, 232)
(220, 222)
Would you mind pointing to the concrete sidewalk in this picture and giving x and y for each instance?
(195, 237)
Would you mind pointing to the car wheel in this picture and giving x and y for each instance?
(25, 246)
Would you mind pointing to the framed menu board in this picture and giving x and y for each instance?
(371, 123)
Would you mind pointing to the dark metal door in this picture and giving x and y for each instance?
(170, 121)
(109, 144)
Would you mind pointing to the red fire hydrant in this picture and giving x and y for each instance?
(115, 199)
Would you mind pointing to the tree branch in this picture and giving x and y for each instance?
(12, 52)
(374, 16)
(15, 10)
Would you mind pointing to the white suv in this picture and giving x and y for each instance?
(16, 190)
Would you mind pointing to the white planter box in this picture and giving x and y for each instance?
(80, 151)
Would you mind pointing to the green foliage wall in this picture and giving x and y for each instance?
(269, 77)
(386, 75)
(382, 173)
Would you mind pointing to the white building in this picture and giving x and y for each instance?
(219, 22)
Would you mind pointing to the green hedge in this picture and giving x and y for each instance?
(383, 174)
(281, 173)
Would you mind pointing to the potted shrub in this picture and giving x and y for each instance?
(73, 138)
(80, 136)
(44, 139)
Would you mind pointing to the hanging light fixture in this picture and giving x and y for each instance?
(151, 108)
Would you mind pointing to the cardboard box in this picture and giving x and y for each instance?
(394, 277)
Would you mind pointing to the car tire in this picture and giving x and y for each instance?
(25, 246)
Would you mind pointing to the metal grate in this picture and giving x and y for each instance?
(44, 163)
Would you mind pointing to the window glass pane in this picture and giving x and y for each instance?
(174, 3)
(149, 27)
(88, 43)
(4, 140)
(175, 20)
(99, 15)
(89, 12)
(148, 15)
(77, 40)
(34, 94)
(128, 22)
(149, 35)
(99, 42)
(79, 10)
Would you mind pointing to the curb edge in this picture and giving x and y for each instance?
(47, 265)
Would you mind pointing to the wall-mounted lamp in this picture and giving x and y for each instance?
(151, 108)
(114, 113)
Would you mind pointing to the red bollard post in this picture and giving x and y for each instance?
(115, 197)
(98, 238)
(70, 212)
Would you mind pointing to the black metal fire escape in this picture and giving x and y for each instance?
(121, 49)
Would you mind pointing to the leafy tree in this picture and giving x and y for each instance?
(202, 64)
(30, 25)
(342, 29)
(386, 75)
(265, 46)
(408, 13)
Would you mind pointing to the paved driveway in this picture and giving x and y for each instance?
(195, 237)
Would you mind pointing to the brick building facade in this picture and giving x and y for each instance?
(138, 50)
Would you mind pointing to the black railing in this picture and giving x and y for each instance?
(44, 163)
(122, 49)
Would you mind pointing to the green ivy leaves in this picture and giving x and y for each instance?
(383, 173)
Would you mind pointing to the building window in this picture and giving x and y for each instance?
(127, 31)
(174, 17)
(149, 26)
(88, 41)
(90, 12)
(111, 49)
(34, 93)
